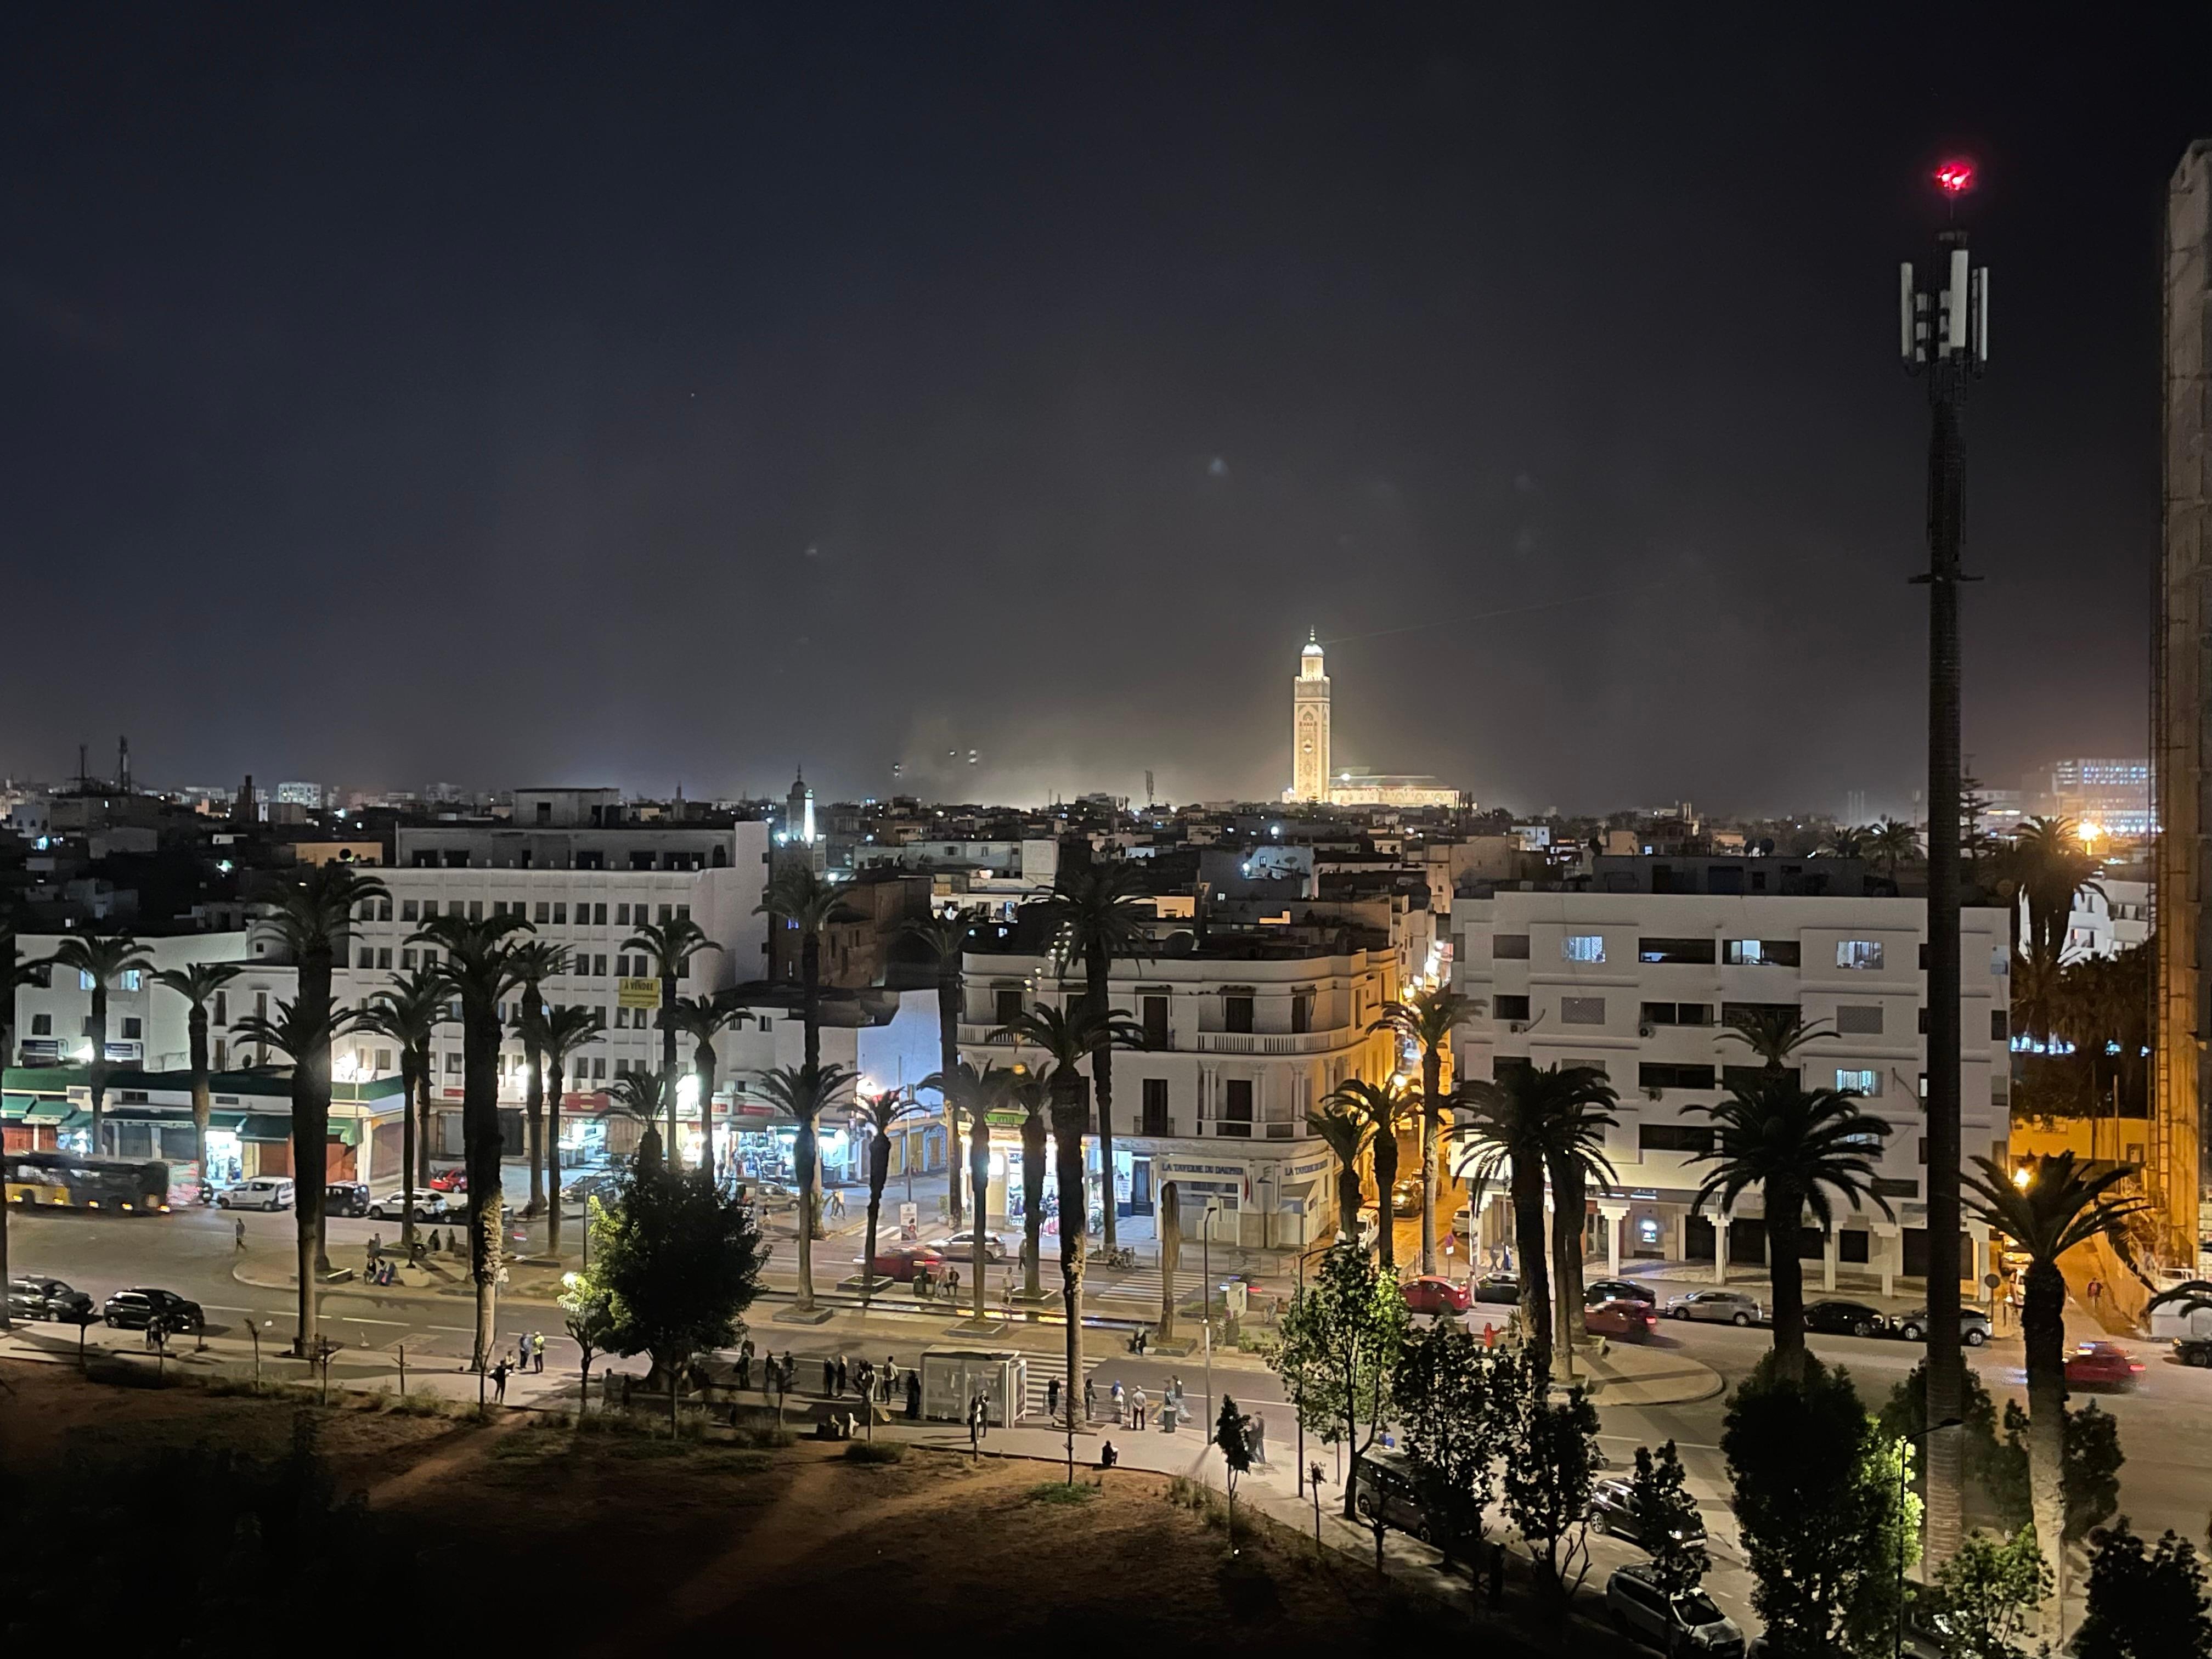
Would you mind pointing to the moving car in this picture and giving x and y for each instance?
(135, 1310)
(346, 1198)
(261, 1192)
(1618, 1317)
(1973, 1325)
(32, 1296)
(2193, 1350)
(2101, 1366)
(1613, 1511)
(1690, 1623)
(1497, 1287)
(1618, 1290)
(1716, 1307)
(1832, 1317)
(1432, 1293)
(1406, 1196)
(961, 1247)
(1382, 1488)
(901, 1262)
(450, 1181)
(428, 1207)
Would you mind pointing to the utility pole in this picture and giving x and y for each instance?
(1945, 337)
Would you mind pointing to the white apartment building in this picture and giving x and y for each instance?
(1639, 985)
(1243, 1038)
(995, 876)
(2113, 917)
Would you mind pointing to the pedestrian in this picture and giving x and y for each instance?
(951, 1282)
(375, 1245)
(432, 1245)
(829, 1376)
(1137, 1403)
(1108, 1458)
(913, 1396)
(1496, 1567)
(790, 1371)
(1114, 1393)
(1090, 1399)
(238, 1233)
(844, 1376)
(891, 1374)
(1052, 1398)
(1258, 1436)
(498, 1374)
(2096, 1293)
(537, 1353)
(744, 1368)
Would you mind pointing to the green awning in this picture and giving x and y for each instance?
(48, 1112)
(226, 1120)
(137, 1113)
(265, 1129)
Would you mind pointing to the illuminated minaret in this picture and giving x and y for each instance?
(1309, 726)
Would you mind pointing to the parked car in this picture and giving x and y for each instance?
(1382, 1488)
(1432, 1293)
(1497, 1287)
(1641, 1609)
(1832, 1317)
(346, 1198)
(428, 1207)
(1973, 1325)
(1621, 1319)
(32, 1296)
(2101, 1366)
(450, 1181)
(901, 1262)
(1612, 1510)
(135, 1310)
(1717, 1307)
(2193, 1350)
(1406, 1196)
(1618, 1290)
(261, 1192)
(961, 1247)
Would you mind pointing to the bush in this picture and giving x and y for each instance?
(1059, 1492)
(876, 1451)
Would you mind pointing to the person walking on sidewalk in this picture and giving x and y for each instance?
(1137, 1404)
(1052, 1399)
(1115, 1394)
(538, 1353)
(1256, 1436)
(844, 1376)
(1090, 1399)
(240, 1235)
(498, 1375)
(829, 1376)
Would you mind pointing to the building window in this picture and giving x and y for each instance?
(1674, 950)
(1509, 947)
(1862, 954)
(222, 1007)
(2000, 1026)
(1672, 1138)
(1301, 1014)
(83, 981)
(599, 915)
(621, 916)
(1863, 1082)
(1897, 1186)
(1509, 1007)
(133, 979)
(1651, 1075)
(667, 915)
(1858, 1020)
(42, 1024)
(1154, 1121)
(1237, 1014)
(1155, 1011)
(560, 913)
(367, 959)
(1235, 1108)
(409, 910)
(1678, 1013)
(1582, 947)
(544, 912)
(384, 1060)
(221, 1054)
(475, 909)
(384, 956)
(598, 967)
(1006, 1005)
(453, 1064)
(407, 960)
(682, 913)
(1759, 953)
(1582, 1011)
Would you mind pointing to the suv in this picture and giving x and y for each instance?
(428, 1207)
(136, 1309)
(1382, 1489)
(1686, 1623)
(1973, 1325)
(30, 1296)
(346, 1198)
(262, 1193)
(2193, 1350)
(1720, 1307)
(1613, 1511)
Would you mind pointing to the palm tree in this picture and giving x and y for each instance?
(1345, 1133)
(2039, 991)
(805, 1093)
(643, 1095)
(1844, 842)
(1426, 1019)
(702, 1019)
(409, 1012)
(195, 983)
(2058, 1206)
(879, 1113)
(945, 938)
(802, 900)
(567, 1029)
(313, 919)
(964, 1089)
(100, 962)
(1383, 1107)
(1775, 1034)
(2054, 868)
(1574, 1157)
(1892, 843)
(1026, 1093)
(1069, 1039)
(672, 944)
(475, 968)
(1518, 1119)
(301, 1032)
(532, 962)
(13, 976)
(1099, 911)
(1796, 1145)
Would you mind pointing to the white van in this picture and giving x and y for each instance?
(262, 1193)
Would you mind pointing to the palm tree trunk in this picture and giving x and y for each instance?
(2043, 1334)
(880, 1171)
(1169, 1201)
(1349, 1197)
(533, 1110)
(98, 1074)
(1032, 1205)
(1432, 1067)
(410, 1083)
(312, 1072)
(810, 997)
(979, 1174)
(7, 1051)
(422, 1127)
(803, 1154)
(702, 1067)
(481, 1143)
(310, 1171)
(668, 1064)
(1069, 1114)
(1528, 1248)
(196, 1027)
(1097, 973)
(948, 1062)
(1386, 1177)
(557, 1080)
(1785, 1221)
(1567, 1208)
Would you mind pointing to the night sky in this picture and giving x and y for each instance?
(648, 396)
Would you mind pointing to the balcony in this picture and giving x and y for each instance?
(1275, 1042)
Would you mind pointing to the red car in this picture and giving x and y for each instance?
(1432, 1293)
(1621, 1318)
(2101, 1366)
(450, 1181)
(901, 1261)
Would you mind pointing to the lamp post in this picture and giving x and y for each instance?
(1944, 336)
(1897, 1630)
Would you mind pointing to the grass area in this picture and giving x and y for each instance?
(875, 1452)
(1059, 1492)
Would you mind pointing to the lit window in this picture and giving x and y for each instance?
(1859, 953)
(133, 979)
(1582, 947)
(1862, 1083)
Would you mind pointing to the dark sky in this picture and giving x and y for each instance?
(645, 394)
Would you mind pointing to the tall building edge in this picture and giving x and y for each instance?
(2181, 674)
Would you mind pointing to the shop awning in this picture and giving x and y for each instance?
(142, 1114)
(227, 1121)
(47, 1112)
(255, 1127)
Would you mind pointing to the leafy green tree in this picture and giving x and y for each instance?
(587, 1309)
(678, 1262)
(102, 961)
(945, 939)
(1425, 1019)
(409, 1012)
(1338, 1343)
(1985, 1598)
(566, 1030)
(532, 962)
(1232, 1436)
(15, 974)
(1382, 1108)
(672, 944)
(2092, 1480)
(1452, 1427)
(1345, 1133)
(1797, 1447)
(197, 982)
(2146, 1601)
(1551, 1470)
(1797, 1146)
(1098, 910)
(1667, 1520)
(804, 1094)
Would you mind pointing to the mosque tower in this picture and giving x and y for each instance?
(1309, 726)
